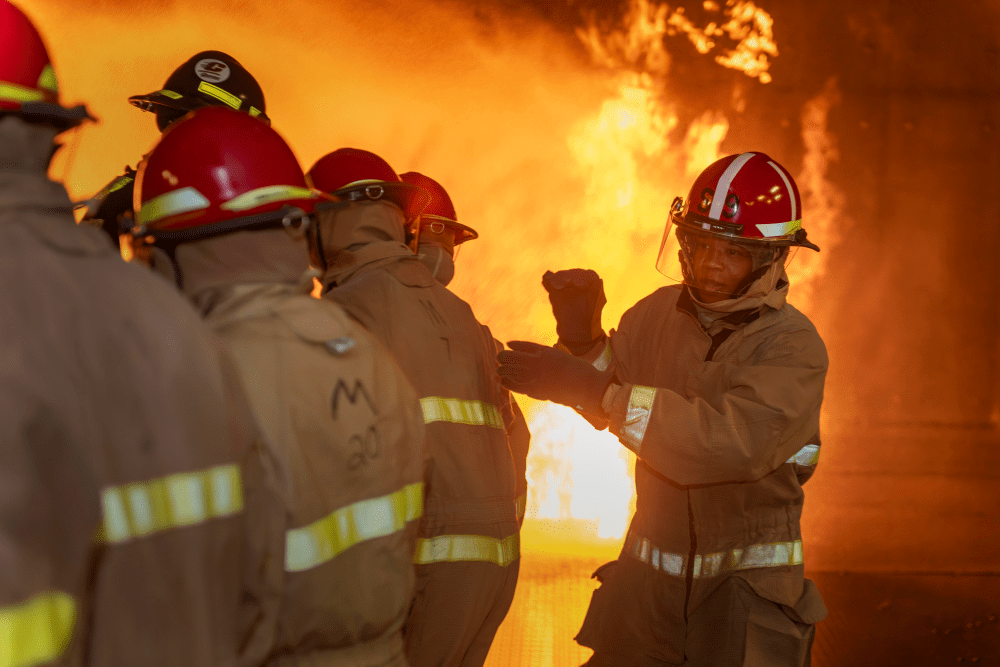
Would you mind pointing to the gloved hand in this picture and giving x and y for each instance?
(549, 374)
(577, 298)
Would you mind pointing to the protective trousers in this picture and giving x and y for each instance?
(734, 627)
(458, 605)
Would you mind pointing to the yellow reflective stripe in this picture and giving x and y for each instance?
(640, 403)
(143, 508)
(36, 631)
(774, 554)
(455, 548)
(175, 202)
(520, 505)
(322, 540)
(15, 93)
(254, 111)
(47, 79)
(807, 456)
(265, 195)
(603, 361)
(476, 413)
(171, 94)
(223, 96)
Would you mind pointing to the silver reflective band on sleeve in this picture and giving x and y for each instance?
(775, 554)
(36, 631)
(457, 411)
(142, 508)
(322, 540)
(807, 456)
(520, 505)
(602, 362)
(455, 548)
(640, 403)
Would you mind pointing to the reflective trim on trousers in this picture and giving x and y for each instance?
(36, 631)
(807, 456)
(774, 554)
(141, 508)
(602, 362)
(456, 548)
(520, 505)
(457, 411)
(323, 540)
(640, 403)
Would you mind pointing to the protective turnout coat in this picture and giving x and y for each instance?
(468, 551)
(140, 513)
(349, 427)
(726, 431)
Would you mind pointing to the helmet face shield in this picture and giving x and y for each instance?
(718, 267)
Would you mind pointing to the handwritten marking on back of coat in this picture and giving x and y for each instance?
(360, 418)
(351, 395)
(433, 313)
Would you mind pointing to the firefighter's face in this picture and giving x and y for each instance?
(719, 267)
(442, 235)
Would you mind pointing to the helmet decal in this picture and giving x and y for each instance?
(727, 179)
(706, 199)
(211, 70)
(732, 205)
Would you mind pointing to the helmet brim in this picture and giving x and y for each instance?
(410, 198)
(150, 101)
(463, 233)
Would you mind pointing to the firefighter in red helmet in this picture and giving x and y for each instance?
(716, 385)
(138, 509)
(467, 555)
(224, 198)
(436, 235)
(209, 78)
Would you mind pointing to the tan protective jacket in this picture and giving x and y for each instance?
(348, 424)
(726, 431)
(140, 515)
(470, 511)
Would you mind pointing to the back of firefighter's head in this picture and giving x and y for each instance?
(209, 78)
(735, 230)
(369, 203)
(30, 113)
(213, 175)
(436, 235)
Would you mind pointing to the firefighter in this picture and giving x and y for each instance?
(209, 78)
(467, 556)
(224, 198)
(435, 235)
(716, 386)
(139, 509)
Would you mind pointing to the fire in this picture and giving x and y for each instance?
(557, 163)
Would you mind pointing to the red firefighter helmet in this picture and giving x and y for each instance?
(747, 197)
(28, 85)
(218, 171)
(351, 174)
(440, 209)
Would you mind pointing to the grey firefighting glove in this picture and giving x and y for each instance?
(549, 374)
(577, 298)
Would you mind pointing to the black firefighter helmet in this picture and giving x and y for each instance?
(210, 78)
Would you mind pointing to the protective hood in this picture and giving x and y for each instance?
(26, 148)
(770, 289)
(355, 235)
(438, 261)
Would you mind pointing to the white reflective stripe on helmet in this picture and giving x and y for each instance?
(175, 202)
(36, 631)
(478, 548)
(791, 192)
(722, 190)
(773, 554)
(322, 540)
(142, 508)
(807, 456)
(458, 411)
(640, 403)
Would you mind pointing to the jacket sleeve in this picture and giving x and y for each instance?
(735, 423)
(519, 440)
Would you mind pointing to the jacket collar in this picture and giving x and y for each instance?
(348, 263)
